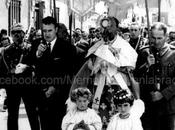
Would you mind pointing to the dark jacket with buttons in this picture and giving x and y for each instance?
(163, 72)
(11, 57)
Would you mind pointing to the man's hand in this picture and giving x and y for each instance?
(20, 68)
(41, 49)
(150, 60)
(50, 91)
(156, 96)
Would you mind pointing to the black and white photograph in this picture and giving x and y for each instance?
(87, 65)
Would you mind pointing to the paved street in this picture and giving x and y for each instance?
(23, 121)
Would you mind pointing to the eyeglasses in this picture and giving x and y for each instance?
(134, 30)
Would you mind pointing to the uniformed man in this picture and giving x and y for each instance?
(17, 77)
(158, 92)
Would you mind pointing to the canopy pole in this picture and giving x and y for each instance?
(159, 10)
(70, 24)
(54, 6)
(147, 15)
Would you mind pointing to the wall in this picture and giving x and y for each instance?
(3, 15)
(63, 15)
(24, 14)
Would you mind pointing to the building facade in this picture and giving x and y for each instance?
(13, 11)
(31, 12)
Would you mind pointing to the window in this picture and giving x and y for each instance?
(14, 13)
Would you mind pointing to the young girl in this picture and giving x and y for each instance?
(81, 117)
(129, 112)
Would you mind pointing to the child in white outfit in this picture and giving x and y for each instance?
(81, 117)
(129, 112)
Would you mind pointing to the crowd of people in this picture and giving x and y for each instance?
(112, 78)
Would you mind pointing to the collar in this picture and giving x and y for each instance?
(112, 41)
(164, 49)
(78, 110)
(124, 116)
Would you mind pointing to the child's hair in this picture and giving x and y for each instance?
(80, 92)
(123, 96)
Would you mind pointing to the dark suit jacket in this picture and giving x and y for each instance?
(53, 69)
(56, 69)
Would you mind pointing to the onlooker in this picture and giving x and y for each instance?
(136, 40)
(171, 39)
(62, 32)
(5, 41)
(38, 34)
(3, 32)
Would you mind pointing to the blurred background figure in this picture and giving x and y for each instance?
(92, 32)
(3, 32)
(62, 32)
(134, 35)
(77, 35)
(171, 39)
(38, 34)
(5, 41)
(98, 32)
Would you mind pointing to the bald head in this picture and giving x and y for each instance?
(159, 26)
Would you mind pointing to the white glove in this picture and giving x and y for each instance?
(20, 68)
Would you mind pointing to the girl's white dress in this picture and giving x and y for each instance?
(133, 122)
(89, 116)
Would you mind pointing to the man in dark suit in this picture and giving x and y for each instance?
(54, 72)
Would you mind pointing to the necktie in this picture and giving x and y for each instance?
(49, 47)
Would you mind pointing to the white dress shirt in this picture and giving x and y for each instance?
(52, 43)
